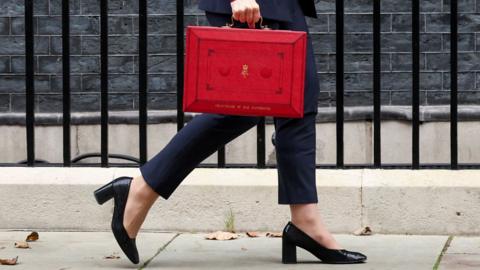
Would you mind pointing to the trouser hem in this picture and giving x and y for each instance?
(146, 178)
(301, 201)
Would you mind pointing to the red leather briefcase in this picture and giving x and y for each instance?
(250, 72)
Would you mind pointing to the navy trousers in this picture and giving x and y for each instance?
(206, 133)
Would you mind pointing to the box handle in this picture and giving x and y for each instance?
(264, 27)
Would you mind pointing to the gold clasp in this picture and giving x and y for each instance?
(245, 71)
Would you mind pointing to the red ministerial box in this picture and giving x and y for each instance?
(250, 72)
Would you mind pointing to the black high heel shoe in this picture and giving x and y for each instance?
(292, 237)
(118, 189)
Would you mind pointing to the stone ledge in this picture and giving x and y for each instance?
(427, 114)
(389, 201)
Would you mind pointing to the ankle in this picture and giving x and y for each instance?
(306, 221)
(141, 191)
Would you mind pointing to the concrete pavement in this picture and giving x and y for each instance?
(171, 250)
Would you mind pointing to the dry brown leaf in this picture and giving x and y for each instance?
(273, 234)
(32, 237)
(363, 231)
(252, 234)
(110, 257)
(2, 248)
(21, 244)
(9, 261)
(219, 235)
(243, 248)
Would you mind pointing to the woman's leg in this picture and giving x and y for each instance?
(200, 138)
(295, 145)
(141, 197)
(162, 174)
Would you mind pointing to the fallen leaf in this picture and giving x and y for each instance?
(363, 231)
(114, 255)
(9, 261)
(21, 244)
(219, 235)
(32, 237)
(244, 248)
(2, 248)
(273, 234)
(252, 234)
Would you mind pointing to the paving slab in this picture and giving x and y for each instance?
(76, 250)
(462, 254)
(192, 251)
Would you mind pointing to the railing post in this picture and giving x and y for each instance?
(29, 82)
(221, 157)
(261, 143)
(66, 81)
(180, 63)
(104, 80)
(415, 84)
(453, 84)
(143, 79)
(339, 9)
(376, 85)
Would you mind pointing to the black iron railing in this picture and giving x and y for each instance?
(261, 141)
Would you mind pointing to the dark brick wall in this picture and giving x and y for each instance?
(396, 56)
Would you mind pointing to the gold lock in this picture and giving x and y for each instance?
(245, 71)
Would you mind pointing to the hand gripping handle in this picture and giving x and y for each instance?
(232, 24)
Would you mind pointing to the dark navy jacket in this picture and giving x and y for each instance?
(270, 9)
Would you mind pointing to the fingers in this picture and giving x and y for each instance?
(256, 16)
(235, 15)
(246, 11)
(241, 16)
(249, 15)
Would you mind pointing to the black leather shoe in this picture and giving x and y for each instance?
(292, 237)
(118, 189)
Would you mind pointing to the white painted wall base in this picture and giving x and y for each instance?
(389, 201)
(123, 139)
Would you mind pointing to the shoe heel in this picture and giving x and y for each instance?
(289, 251)
(104, 193)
